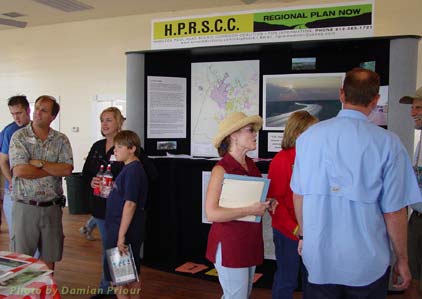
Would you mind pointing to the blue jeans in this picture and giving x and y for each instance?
(288, 264)
(90, 224)
(105, 287)
(7, 208)
(235, 282)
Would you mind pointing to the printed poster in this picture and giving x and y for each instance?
(316, 22)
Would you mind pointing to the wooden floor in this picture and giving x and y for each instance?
(81, 267)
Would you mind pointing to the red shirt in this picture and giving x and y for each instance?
(280, 173)
(242, 244)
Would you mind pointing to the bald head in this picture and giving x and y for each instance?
(360, 87)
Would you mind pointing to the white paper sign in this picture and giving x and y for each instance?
(166, 98)
(274, 142)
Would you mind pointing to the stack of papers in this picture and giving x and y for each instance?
(240, 191)
(9, 266)
(122, 266)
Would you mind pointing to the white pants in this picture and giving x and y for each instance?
(235, 282)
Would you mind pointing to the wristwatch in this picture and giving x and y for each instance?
(41, 165)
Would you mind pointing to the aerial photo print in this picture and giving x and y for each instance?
(284, 94)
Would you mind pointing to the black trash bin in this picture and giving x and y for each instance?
(78, 194)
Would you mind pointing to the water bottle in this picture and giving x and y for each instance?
(100, 173)
(107, 182)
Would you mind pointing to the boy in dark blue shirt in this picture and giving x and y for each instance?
(125, 219)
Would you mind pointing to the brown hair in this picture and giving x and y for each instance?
(224, 146)
(128, 139)
(297, 123)
(55, 106)
(18, 100)
(361, 86)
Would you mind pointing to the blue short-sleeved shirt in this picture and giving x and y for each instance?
(6, 135)
(350, 172)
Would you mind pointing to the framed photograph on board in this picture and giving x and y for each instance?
(284, 94)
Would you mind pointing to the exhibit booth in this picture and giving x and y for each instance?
(182, 91)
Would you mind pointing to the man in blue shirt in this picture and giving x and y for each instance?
(352, 181)
(19, 108)
(414, 235)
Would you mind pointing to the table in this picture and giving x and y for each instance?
(41, 287)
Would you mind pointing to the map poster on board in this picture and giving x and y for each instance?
(284, 94)
(218, 89)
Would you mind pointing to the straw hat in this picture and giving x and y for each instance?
(234, 122)
(410, 99)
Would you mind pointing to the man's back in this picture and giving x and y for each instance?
(349, 156)
(348, 182)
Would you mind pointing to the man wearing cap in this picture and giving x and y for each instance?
(352, 183)
(414, 234)
(39, 158)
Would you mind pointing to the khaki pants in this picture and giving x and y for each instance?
(38, 228)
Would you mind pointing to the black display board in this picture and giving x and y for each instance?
(331, 57)
(174, 230)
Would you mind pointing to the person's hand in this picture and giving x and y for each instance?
(273, 203)
(259, 208)
(123, 248)
(401, 275)
(35, 162)
(95, 182)
(299, 247)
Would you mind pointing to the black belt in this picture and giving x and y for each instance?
(56, 201)
(417, 214)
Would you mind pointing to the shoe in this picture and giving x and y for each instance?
(88, 236)
(82, 230)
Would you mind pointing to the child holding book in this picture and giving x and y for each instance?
(125, 219)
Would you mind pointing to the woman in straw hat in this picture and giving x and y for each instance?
(235, 247)
(284, 223)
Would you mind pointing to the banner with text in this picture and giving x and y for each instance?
(290, 24)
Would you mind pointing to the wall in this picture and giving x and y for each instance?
(77, 61)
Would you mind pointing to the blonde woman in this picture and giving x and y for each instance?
(284, 223)
(102, 153)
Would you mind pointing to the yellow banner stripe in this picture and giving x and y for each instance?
(204, 26)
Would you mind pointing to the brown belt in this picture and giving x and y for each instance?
(49, 203)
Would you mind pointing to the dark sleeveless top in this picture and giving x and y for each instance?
(241, 242)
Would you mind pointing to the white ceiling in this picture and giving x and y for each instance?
(35, 13)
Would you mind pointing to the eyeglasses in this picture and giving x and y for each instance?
(248, 129)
